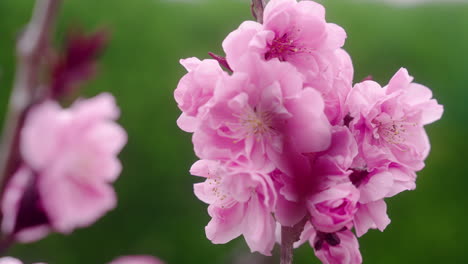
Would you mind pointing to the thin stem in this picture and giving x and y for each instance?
(286, 245)
(6, 243)
(221, 60)
(30, 48)
(289, 235)
(257, 8)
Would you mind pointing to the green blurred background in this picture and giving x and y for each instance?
(158, 213)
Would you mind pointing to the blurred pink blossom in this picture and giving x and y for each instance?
(10, 260)
(404, 3)
(137, 259)
(70, 160)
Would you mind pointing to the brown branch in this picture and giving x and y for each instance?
(31, 47)
(289, 235)
(257, 8)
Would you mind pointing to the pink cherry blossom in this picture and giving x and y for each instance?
(254, 111)
(388, 122)
(263, 112)
(137, 259)
(296, 32)
(241, 199)
(336, 85)
(383, 182)
(292, 31)
(195, 89)
(403, 180)
(334, 163)
(374, 186)
(371, 215)
(323, 171)
(337, 248)
(331, 197)
(388, 125)
(334, 208)
(70, 160)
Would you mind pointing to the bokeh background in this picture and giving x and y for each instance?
(158, 213)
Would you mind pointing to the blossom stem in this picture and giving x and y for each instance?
(5, 243)
(221, 60)
(286, 245)
(31, 47)
(257, 8)
(289, 235)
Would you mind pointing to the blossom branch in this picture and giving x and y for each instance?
(257, 7)
(31, 46)
(5, 243)
(289, 235)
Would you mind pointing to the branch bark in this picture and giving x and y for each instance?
(257, 8)
(31, 46)
(289, 235)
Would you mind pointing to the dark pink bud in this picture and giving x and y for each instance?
(78, 62)
(221, 60)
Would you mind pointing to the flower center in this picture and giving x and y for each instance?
(331, 239)
(281, 48)
(357, 176)
(214, 183)
(392, 131)
(257, 122)
(217, 190)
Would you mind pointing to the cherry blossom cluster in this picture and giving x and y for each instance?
(284, 138)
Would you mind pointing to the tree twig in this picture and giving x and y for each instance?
(31, 47)
(289, 235)
(257, 8)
